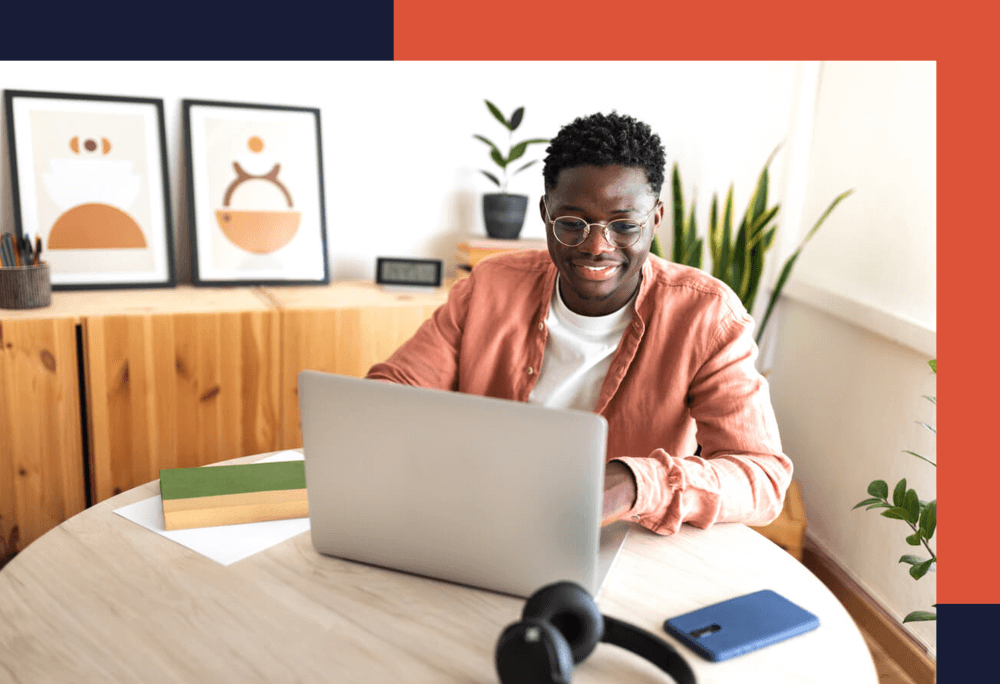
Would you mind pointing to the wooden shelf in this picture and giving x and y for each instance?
(170, 378)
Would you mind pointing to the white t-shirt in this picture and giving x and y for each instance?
(578, 353)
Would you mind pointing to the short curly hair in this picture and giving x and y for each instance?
(603, 140)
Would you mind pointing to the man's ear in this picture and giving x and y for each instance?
(541, 212)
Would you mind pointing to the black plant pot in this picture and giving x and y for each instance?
(504, 214)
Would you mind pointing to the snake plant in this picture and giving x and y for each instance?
(737, 261)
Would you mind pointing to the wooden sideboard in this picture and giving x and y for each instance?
(105, 388)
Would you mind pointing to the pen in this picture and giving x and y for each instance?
(38, 250)
(15, 247)
(26, 259)
(6, 257)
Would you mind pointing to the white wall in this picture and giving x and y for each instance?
(400, 163)
(858, 325)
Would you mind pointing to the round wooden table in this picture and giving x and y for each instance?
(102, 599)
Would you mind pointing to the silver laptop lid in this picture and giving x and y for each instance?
(486, 492)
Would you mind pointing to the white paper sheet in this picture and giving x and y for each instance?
(224, 544)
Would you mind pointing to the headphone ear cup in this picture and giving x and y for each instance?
(572, 611)
(533, 652)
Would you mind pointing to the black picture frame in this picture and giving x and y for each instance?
(94, 186)
(213, 257)
(382, 278)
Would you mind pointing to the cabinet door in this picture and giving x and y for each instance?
(345, 341)
(41, 444)
(178, 390)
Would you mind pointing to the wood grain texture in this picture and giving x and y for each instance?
(178, 390)
(41, 443)
(103, 599)
(344, 339)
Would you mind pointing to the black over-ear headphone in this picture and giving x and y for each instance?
(560, 626)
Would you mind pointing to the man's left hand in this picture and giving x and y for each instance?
(620, 491)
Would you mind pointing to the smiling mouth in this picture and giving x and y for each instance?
(596, 272)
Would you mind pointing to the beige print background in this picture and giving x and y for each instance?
(288, 143)
(51, 135)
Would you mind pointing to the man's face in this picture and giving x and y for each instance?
(597, 278)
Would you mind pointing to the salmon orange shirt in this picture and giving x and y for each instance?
(682, 375)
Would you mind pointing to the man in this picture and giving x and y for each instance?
(664, 352)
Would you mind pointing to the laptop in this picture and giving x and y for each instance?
(489, 493)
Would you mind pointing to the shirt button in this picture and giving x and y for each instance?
(541, 325)
(530, 370)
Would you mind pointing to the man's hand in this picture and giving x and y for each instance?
(619, 491)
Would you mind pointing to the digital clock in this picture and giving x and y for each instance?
(399, 271)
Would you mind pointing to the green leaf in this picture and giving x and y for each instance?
(878, 505)
(496, 113)
(911, 559)
(879, 488)
(899, 492)
(515, 118)
(933, 400)
(897, 513)
(914, 539)
(498, 158)
(678, 206)
(722, 267)
(867, 502)
(920, 616)
(912, 504)
(655, 248)
(929, 427)
(920, 569)
(913, 453)
(490, 176)
(714, 236)
(487, 141)
(517, 151)
(928, 520)
(787, 269)
(933, 364)
(533, 161)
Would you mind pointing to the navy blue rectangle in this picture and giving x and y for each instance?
(967, 642)
(189, 30)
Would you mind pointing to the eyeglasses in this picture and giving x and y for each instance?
(621, 233)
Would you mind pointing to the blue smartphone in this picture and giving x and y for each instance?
(739, 625)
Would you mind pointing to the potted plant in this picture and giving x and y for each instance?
(738, 262)
(504, 212)
(920, 516)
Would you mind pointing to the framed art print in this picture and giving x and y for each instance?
(255, 194)
(89, 178)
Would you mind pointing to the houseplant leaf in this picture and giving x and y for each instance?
(714, 236)
(920, 569)
(879, 488)
(515, 118)
(790, 263)
(533, 161)
(933, 364)
(911, 559)
(517, 151)
(496, 113)
(912, 504)
(878, 505)
(498, 158)
(491, 177)
(678, 205)
(897, 513)
(867, 502)
(913, 453)
(919, 616)
(928, 520)
(487, 141)
(914, 539)
(899, 492)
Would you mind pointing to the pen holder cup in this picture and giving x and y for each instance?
(28, 287)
